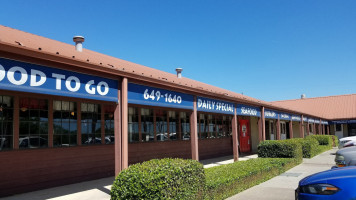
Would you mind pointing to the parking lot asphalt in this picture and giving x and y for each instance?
(282, 187)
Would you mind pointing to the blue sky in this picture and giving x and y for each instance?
(270, 50)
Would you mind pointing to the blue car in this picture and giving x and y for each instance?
(337, 183)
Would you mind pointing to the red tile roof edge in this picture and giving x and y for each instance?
(312, 98)
(44, 44)
(335, 107)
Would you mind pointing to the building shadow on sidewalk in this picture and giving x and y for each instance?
(93, 189)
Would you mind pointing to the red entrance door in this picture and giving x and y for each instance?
(244, 135)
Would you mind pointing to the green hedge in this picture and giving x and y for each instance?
(310, 146)
(160, 179)
(325, 140)
(226, 180)
(184, 179)
(280, 149)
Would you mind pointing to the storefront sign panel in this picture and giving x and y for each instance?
(271, 114)
(284, 116)
(145, 95)
(248, 110)
(305, 119)
(26, 77)
(297, 118)
(343, 122)
(213, 105)
(324, 122)
(311, 120)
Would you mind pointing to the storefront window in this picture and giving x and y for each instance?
(185, 125)
(283, 127)
(64, 123)
(202, 127)
(305, 129)
(166, 125)
(33, 130)
(229, 126)
(310, 128)
(109, 124)
(271, 125)
(6, 122)
(161, 125)
(267, 130)
(211, 126)
(351, 129)
(133, 125)
(91, 123)
(147, 124)
(338, 127)
(220, 126)
(174, 131)
(214, 126)
(270, 130)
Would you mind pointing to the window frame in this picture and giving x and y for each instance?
(50, 98)
(215, 134)
(167, 110)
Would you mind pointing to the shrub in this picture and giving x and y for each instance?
(280, 149)
(226, 180)
(310, 146)
(323, 139)
(160, 179)
(325, 142)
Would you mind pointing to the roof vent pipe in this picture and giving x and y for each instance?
(78, 43)
(303, 96)
(179, 72)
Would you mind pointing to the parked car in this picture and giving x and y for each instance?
(338, 183)
(32, 142)
(91, 140)
(345, 157)
(109, 139)
(186, 136)
(343, 141)
(350, 143)
(97, 140)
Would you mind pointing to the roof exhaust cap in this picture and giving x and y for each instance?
(303, 96)
(78, 42)
(179, 72)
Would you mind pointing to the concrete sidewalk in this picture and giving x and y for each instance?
(90, 190)
(282, 187)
